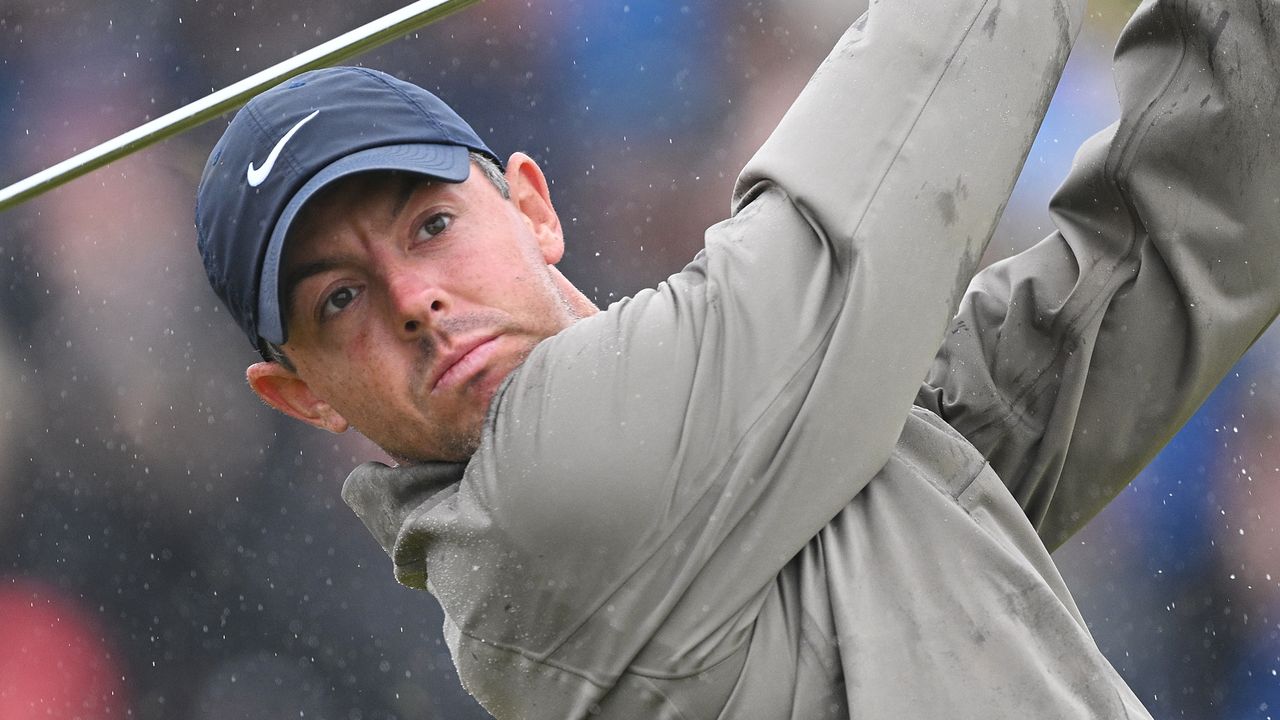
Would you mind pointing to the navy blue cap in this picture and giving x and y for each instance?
(287, 144)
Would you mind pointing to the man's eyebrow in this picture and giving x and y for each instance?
(408, 185)
(296, 275)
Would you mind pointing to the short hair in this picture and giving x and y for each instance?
(493, 172)
(489, 167)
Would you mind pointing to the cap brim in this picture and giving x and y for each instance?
(450, 163)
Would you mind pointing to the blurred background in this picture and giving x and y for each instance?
(169, 548)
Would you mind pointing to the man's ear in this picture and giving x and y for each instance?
(532, 197)
(283, 390)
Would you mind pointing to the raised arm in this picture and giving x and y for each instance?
(1071, 364)
(647, 472)
(771, 378)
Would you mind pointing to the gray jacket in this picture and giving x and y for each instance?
(732, 497)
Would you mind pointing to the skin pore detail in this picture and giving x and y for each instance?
(408, 301)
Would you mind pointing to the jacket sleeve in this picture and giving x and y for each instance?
(646, 473)
(1071, 364)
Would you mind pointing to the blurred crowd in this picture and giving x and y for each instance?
(171, 549)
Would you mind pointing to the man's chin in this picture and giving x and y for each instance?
(457, 440)
(454, 449)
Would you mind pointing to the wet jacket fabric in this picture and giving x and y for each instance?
(732, 496)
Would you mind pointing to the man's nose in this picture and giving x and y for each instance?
(416, 301)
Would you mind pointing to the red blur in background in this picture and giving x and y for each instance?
(56, 664)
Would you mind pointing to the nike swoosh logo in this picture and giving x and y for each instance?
(258, 175)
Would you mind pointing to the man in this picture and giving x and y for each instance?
(731, 496)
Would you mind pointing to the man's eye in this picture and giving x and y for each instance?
(434, 225)
(337, 300)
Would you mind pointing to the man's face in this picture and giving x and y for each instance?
(408, 302)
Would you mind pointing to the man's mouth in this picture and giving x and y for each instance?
(464, 361)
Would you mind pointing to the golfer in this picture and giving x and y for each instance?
(818, 472)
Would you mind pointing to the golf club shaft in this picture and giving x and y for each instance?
(365, 37)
